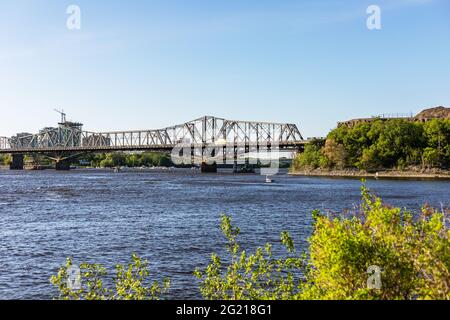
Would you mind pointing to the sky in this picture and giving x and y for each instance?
(151, 64)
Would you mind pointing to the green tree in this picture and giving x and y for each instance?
(437, 135)
(353, 139)
(133, 160)
(311, 157)
(382, 144)
(5, 159)
(431, 157)
(335, 154)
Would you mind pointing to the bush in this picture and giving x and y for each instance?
(130, 283)
(254, 276)
(412, 254)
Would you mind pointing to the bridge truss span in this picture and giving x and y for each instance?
(203, 132)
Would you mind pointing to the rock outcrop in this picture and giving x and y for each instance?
(433, 113)
(423, 116)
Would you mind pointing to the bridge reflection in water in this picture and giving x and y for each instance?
(204, 139)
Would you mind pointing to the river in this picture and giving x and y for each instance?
(170, 218)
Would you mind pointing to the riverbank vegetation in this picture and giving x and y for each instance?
(118, 159)
(381, 144)
(375, 252)
(104, 160)
(131, 282)
(5, 159)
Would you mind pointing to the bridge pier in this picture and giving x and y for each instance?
(209, 168)
(62, 165)
(17, 162)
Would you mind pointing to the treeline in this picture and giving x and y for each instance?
(381, 144)
(5, 159)
(106, 160)
(376, 252)
(118, 159)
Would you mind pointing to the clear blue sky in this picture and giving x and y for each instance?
(150, 64)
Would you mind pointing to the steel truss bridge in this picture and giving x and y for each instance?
(69, 138)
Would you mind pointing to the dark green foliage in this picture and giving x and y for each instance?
(312, 157)
(381, 144)
(146, 159)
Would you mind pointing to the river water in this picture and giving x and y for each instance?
(170, 218)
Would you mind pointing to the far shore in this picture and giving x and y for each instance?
(348, 173)
(387, 174)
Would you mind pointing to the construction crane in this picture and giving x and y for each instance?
(63, 115)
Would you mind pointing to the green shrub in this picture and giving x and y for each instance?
(130, 283)
(254, 276)
(413, 254)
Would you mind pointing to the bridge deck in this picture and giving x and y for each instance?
(292, 145)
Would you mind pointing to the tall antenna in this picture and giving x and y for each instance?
(63, 115)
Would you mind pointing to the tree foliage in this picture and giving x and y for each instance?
(5, 159)
(312, 157)
(117, 159)
(379, 144)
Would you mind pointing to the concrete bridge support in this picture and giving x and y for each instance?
(62, 165)
(209, 168)
(17, 162)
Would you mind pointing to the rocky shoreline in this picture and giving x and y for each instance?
(386, 174)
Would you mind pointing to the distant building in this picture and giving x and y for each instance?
(67, 134)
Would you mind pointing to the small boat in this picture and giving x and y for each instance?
(268, 180)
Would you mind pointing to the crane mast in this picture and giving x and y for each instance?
(63, 115)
